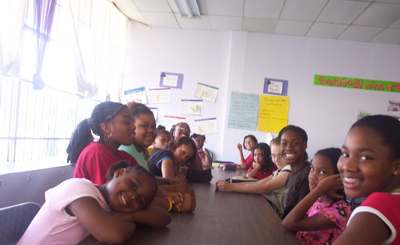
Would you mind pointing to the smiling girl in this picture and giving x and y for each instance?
(370, 167)
(249, 142)
(145, 133)
(293, 146)
(263, 166)
(322, 215)
(77, 208)
(113, 123)
(168, 162)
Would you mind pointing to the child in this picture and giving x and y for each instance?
(203, 154)
(262, 163)
(162, 138)
(178, 130)
(145, 133)
(113, 123)
(249, 142)
(293, 146)
(76, 208)
(168, 162)
(370, 167)
(322, 215)
(274, 184)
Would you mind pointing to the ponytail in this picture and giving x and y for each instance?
(80, 138)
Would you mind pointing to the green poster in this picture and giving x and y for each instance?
(357, 83)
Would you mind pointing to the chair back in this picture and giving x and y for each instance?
(14, 220)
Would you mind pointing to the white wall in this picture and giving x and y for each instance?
(239, 61)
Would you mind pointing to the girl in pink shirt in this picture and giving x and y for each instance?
(77, 208)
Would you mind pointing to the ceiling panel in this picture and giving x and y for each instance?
(222, 23)
(307, 10)
(389, 36)
(259, 25)
(225, 7)
(379, 14)
(360, 33)
(342, 12)
(195, 24)
(161, 20)
(269, 9)
(152, 5)
(326, 30)
(292, 27)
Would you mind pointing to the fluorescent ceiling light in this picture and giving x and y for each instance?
(188, 8)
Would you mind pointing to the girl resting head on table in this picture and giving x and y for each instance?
(322, 215)
(77, 208)
(370, 167)
(168, 162)
(272, 186)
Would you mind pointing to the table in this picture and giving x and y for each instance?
(219, 218)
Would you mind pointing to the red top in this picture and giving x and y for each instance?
(95, 160)
(260, 174)
(249, 161)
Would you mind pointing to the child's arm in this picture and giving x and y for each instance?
(104, 226)
(206, 160)
(239, 147)
(253, 172)
(296, 220)
(264, 186)
(152, 216)
(364, 228)
(167, 168)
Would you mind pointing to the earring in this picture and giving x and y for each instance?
(110, 135)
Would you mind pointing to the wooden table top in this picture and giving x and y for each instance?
(219, 218)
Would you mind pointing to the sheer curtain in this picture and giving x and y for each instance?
(101, 31)
(12, 19)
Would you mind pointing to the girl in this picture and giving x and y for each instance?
(274, 184)
(76, 208)
(370, 167)
(162, 138)
(113, 123)
(249, 142)
(178, 130)
(293, 146)
(168, 162)
(327, 213)
(145, 133)
(203, 154)
(262, 163)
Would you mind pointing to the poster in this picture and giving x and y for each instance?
(192, 107)
(243, 111)
(274, 113)
(171, 80)
(136, 95)
(159, 95)
(275, 86)
(206, 126)
(155, 112)
(169, 121)
(394, 106)
(362, 114)
(206, 92)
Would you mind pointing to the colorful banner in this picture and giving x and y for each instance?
(274, 113)
(357, 83)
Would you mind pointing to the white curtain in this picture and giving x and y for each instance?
(101, 31)
(12, 19)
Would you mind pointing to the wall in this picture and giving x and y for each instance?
(30, 186)
(239, 61)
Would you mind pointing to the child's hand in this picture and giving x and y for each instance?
(222, 185)
(188, 204)
(176, 198)
(239, 146)
(330, 185)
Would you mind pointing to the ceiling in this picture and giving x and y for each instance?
(375, 21)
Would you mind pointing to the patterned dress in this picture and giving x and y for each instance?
(339, 213)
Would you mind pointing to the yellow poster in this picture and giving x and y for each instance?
(273, 113)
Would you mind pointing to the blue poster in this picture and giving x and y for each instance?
(243, 111)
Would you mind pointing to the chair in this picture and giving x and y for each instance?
(14, 220)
